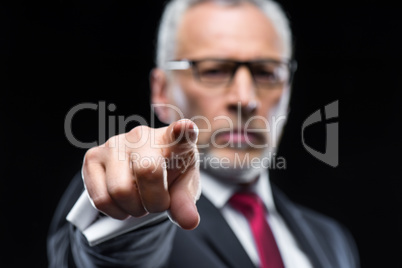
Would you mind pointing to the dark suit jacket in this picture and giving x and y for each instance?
(211, 244)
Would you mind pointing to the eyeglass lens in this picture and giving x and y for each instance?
(219, 72)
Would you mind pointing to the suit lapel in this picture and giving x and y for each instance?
(300, 229)
(217, 233)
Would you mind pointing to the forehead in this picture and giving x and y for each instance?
(237, 31)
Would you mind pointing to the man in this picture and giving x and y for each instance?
(226, 65)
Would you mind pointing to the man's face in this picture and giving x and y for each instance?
(227, 117)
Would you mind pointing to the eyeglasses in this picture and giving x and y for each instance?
(266, 73)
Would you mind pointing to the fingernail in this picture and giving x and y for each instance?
(195, 131)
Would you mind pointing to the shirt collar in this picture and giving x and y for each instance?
(219, 192)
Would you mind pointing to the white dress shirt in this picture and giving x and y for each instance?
(85, 217)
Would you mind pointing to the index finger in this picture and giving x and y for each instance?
(179, 148)
(180, 137)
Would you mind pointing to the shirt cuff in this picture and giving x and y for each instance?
(97, 229)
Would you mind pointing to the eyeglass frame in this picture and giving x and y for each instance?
(185, 64)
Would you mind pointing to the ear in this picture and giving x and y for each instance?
(159, 94)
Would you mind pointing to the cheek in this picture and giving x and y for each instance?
(269, 101)
(193, 104)
(180, 102)
(183, 104)
(203, 112)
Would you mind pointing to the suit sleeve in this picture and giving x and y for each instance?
(148, 246)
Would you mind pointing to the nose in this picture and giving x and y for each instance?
(243, 93)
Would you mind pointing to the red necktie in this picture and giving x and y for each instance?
(251, 206)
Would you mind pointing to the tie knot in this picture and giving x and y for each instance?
(249, 204)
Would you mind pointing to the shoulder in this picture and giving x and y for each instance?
(332, 231)
(320, 234)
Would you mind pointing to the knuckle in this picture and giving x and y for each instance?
(135, 138)
(138, 132)
(92, 154)
(102, 203)
(147, 173)
(105, 205)
(119, 192)
(112, 142)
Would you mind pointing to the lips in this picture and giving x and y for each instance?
(239, 137)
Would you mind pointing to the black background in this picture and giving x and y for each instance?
(57, 54)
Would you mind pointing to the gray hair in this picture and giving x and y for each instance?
(174, 11)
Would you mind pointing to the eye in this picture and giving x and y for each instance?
(270, 73)
(264, 75)
(214, 71)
